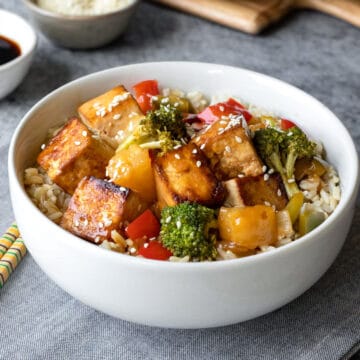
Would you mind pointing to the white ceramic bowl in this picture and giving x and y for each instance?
(184, 295)
(17, 29)
(81, 32)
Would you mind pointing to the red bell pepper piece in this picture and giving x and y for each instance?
(154, 250)
(144, 91)
(214, 112)
(146, 225)
(286, 124)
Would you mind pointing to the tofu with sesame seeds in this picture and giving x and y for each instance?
(113, 115)
(183, 175)
(230, 150)
(98, 207)
(258, 190)
(74, 153)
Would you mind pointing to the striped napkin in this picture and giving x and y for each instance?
(12, 251)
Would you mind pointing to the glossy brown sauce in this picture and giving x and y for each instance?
(9, 50)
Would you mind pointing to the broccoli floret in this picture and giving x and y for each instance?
(280, 150)
(189, 229)
(160, 129)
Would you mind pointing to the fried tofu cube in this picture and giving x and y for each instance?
(112, 115)
(183, 175)
(98, 207)
(259, 190)
(74, 153)
(230, 150)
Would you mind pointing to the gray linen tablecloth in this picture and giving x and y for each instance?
(317, 53)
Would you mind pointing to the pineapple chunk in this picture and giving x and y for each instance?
(132, 168)
(248, 227)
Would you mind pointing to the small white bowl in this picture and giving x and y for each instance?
(184, 295)
(81, 32)
(17, 29)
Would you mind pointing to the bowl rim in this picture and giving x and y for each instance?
(32, 47)
(84, 245)
(33, 6)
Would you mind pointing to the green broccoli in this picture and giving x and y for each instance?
(189, 229)
(160, 129)
(280, 150)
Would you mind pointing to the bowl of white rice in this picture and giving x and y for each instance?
(184, 294)
(81, 24)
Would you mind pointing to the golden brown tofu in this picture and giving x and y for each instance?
(74, 153)
(259, 190)
(113, 115)
(184, 175)
(98, 207)
(230, 149)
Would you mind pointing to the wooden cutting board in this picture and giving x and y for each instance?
(254, 16)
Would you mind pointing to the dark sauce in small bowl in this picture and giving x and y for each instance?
(9, 50)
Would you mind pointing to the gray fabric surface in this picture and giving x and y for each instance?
(315, 52)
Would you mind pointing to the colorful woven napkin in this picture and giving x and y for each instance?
(12, 250)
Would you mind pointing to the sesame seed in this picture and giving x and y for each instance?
(279, 193)
(116, 116)
(221, 130)
(228, 148)
(221, 108)
(178, 224)
(100, 224)
(241, 175)
(122, 97)
(110, 108)
(194, 151)
(85, 222)
(146, 245)
(177, 147)
(84, 133)
(267, 203)
(238, 139)
(97, 239)
(271, 171)
(122, 188)
(223, 122)
(132, 114)
(177, 156)
(237, 221)
(77, 143)
(96, 105)
(76, 222)
(42, 146)
(264, 168)
(290, 181)
(266, 177)
(107, 222)
(202, 147)
(198, 163)
(168, 219)
(176, 104)
(132, 250)
(165, 100)
(154, 98)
